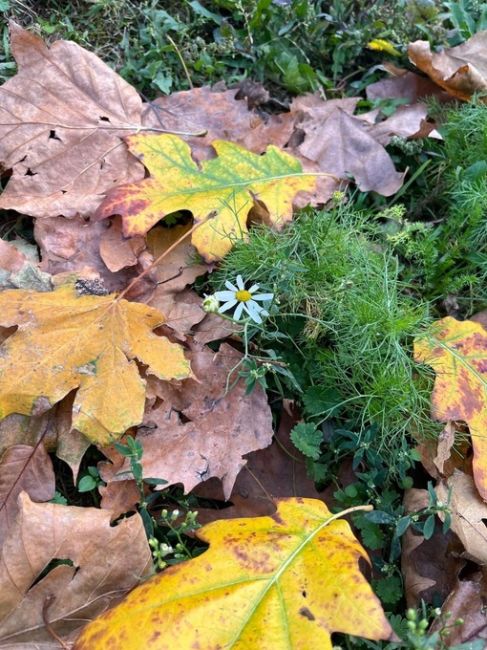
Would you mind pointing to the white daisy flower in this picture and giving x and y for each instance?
(247, 300)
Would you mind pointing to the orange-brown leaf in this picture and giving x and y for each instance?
(68, 341)
(457, 352)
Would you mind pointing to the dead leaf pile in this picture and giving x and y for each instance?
(103, 338)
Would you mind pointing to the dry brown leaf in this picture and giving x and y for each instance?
(429, 567)
(276, 471)
(100, 571)
(199, 430)
(11, 258)
(23, 468)
(446, 440)
(62, 117)
(118, 251)
(170, 278)
(52, 427)
(406, 122)
(460, 70)
(117, 496)
(215, 328)
(74, 246)
(467, 514)
(202, 109)
(342, 145)
(467, 602)
(406, 85)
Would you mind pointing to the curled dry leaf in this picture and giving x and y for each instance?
(460, 70)
(404, 85)
(429, 567)
(468, 513)
(457, 352)
(466, 602)
(62, 117)
(23, 468)
(74, 246)
(178, 269)
(342, 145)
(67, 341)
(117, 496)
(219, 192)
(116, 250)
(288, 581)
(53, 428)
(199, 429)
(93, 571)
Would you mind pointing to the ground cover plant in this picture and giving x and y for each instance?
(243, 369)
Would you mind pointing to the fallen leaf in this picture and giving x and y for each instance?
(203, 428)
(429, 567)
(215, 328)
(19, 267)
(460, 70)
(405, 85)
(457, 352)
(466, 602)
(446, 440)
(92, 571)
(270, 582)
(117, 496)
(276, 471)
(117, 251)
(74, 246)
(220, 193)
(28, 469)
(342, 145)
(217, 114)
(468, 513)
(68, 341)
(62, 117)
(170, 278)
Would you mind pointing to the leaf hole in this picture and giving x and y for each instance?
(104, 118)
(55, 562)
(304, 594)
(29, 172)
(53, 135)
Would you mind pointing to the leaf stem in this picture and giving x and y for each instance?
(157, 260)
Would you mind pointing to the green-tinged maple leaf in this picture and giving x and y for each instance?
(266, 583)
(220, 193)
(87, 343)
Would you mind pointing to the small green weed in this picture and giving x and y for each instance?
(344, 324)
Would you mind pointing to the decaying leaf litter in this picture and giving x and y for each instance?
(105, 339)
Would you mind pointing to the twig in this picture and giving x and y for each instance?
(186, 71)
(45, 607)
(158, 259)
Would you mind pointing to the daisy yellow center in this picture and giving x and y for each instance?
(243, 295)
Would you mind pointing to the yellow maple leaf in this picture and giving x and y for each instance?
(266, 583)
(66, 341)
(220, 193)
(457, 352)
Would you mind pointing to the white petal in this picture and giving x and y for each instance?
(263, 296)
(238, 311)
(253, 309)
(224, 295)
(230, 286)
(228, 305)
(253, 288)
(240, 282)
